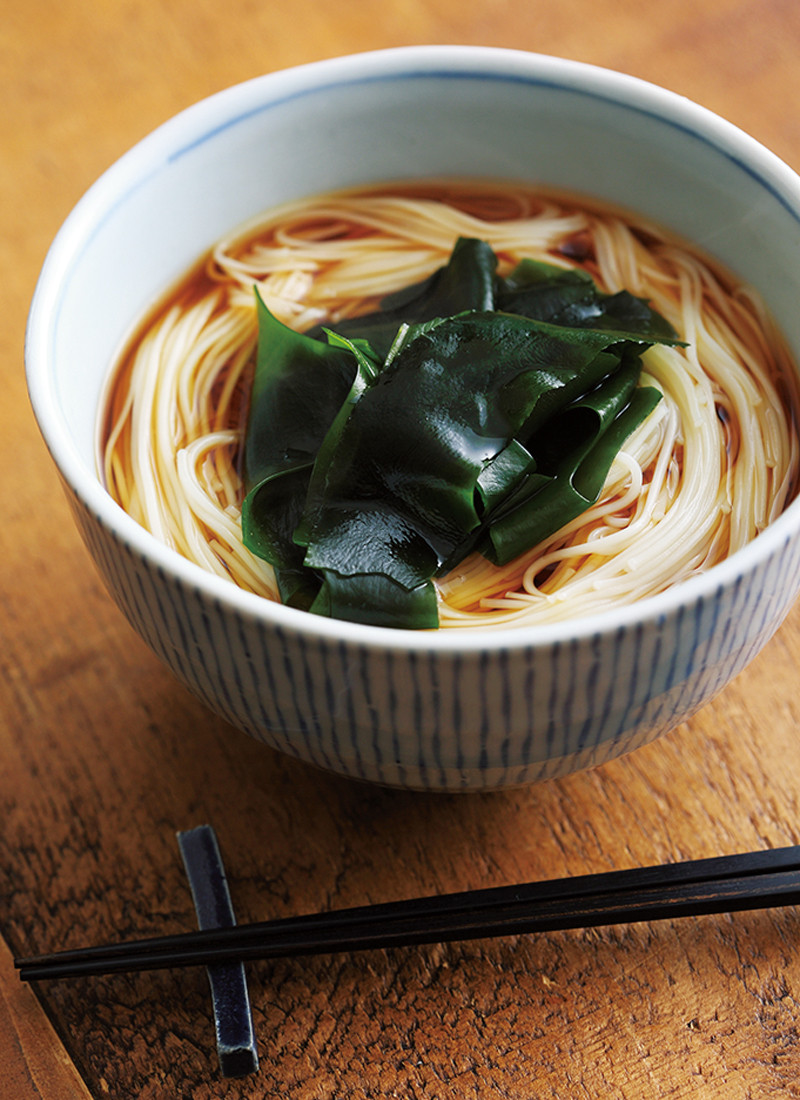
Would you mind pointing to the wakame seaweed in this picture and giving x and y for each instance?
(471, 412)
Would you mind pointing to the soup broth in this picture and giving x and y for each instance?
(707, 470)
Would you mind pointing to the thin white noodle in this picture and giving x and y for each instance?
(713, 464)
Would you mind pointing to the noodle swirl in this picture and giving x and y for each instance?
(706, 472)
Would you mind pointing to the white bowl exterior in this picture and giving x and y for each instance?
(429, 718)
(451, 710)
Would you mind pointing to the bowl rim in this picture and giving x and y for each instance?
(201, 120)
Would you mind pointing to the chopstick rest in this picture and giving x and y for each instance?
(233, 1019)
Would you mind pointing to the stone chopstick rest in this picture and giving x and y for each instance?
(233, 1021)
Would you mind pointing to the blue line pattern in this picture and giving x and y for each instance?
(464, 720)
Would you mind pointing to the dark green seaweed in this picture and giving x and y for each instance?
(471, 412)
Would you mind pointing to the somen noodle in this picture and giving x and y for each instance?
(709, 468)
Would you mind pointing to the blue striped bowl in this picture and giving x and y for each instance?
(436, 711)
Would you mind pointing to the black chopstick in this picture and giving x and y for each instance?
(753, 880)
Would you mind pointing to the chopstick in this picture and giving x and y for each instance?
(753, 880)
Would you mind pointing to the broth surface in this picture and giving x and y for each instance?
(711, 467)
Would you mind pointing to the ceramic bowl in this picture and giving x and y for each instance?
(445, 710)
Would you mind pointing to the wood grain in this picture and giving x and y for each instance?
(33, 1061)
(104, 757)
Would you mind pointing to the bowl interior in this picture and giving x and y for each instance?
(414, 113)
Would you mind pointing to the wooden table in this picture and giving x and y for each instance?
(104, 756)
